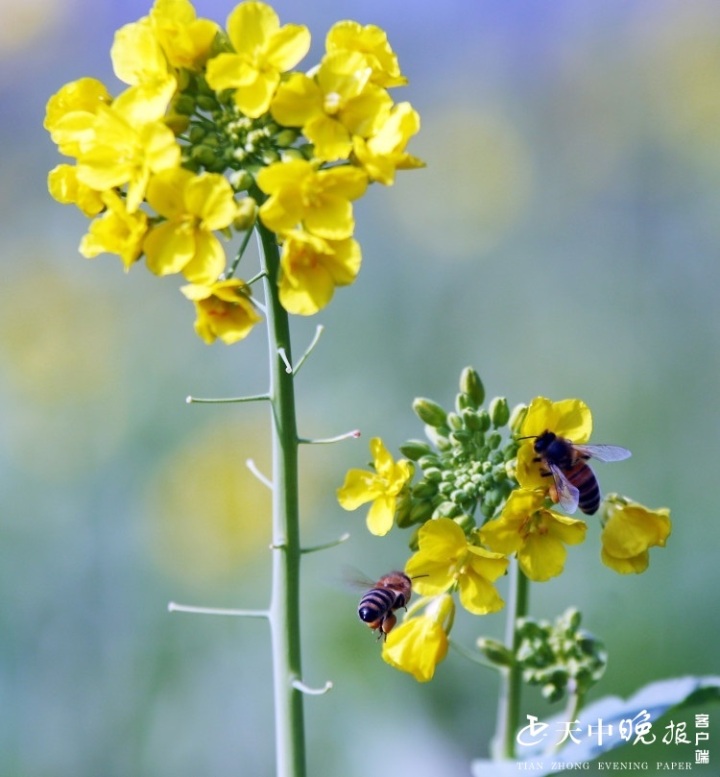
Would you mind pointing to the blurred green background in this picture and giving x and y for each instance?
(563, 240)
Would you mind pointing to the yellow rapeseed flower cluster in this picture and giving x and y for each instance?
(215, 130)
(476, 505)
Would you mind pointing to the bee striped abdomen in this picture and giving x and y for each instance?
(376, 603)
(583, 478)
(391, 592)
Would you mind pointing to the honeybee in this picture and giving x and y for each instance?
(376, 608)
(575, 484)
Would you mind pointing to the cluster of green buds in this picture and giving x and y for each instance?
(219, 138)
(560, 657)
(467, 465)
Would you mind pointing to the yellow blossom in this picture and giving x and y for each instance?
(116, 232)
(64, 187)
(536, 534)
(420, 643)
(319, 200)
(568, 418)
(194, 206)
(148, 54)
(372, 43)
(263, 50)
(70, 113)
(224, 310)
(139, 60)
(185, 39)
(445, 558)
(380, 487)
(629, 531)
(384, 153)
(129, 143)
(333, 106)
(311, 268)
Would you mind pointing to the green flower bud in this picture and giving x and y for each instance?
(483, 420)
(495, 651)
(202, 85)
(184, 104)
(465, 522)
(270, 156)
(461, 437)
(472, 420)
(286, 137)
(290, 154)
(246, 214)
(472, 387)
(241, 180)
(433, 474)
(207, 102)
(205, 155)
(196, 134)
(499, 411)
(429, 412)
(454, 421)
(517, 416)
(463, 402)
(428, 461)
(446, 510)
(403, 505)
(421, 511)
(415, 449)
(493, 441)
(424, 490)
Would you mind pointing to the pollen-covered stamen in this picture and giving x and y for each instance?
(332, 103)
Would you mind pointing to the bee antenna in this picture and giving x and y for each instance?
(528, 437)
(415, 577)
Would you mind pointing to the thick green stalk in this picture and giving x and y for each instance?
(508, 716)
(285, 600)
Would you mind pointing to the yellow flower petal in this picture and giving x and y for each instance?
(570, 418)
(477, 594)
(416, 646)
(381, 514)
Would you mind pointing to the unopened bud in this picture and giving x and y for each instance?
(241, 180)
(499, 411)
(415, 449)
(425, 489)
(495, 651)
(517, 416)
(184, 105)
(403, 504)
(207, 102)
(286, 137)
(442, 610)
(420, 512)
(246, 214)
(291, 154)
(446, 510)
(471, 385)
(429, 412)
(465, 522)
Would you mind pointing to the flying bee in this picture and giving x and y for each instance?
(575, 484)
(390, 593)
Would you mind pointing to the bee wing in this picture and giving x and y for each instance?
(568, 495)
(603, 452)
(354, 580)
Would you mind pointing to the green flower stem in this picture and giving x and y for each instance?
(510, 695)
(286, 550)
